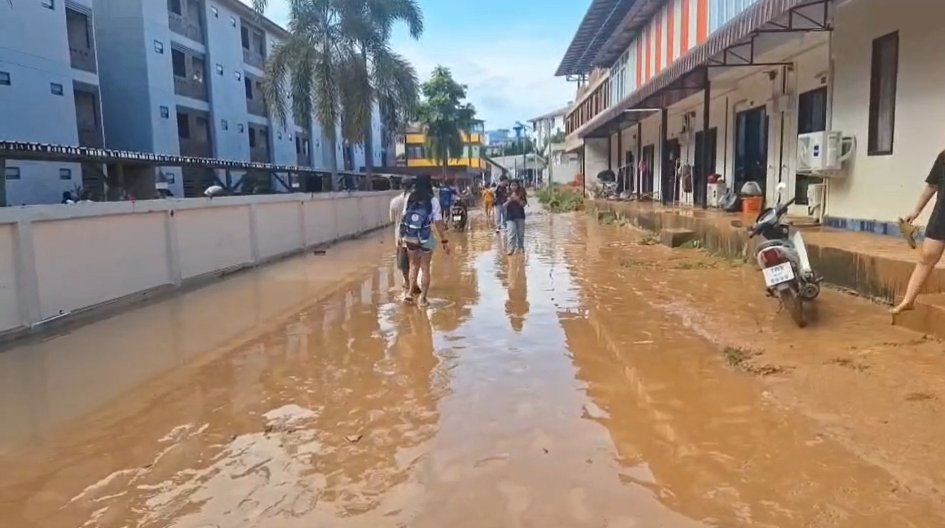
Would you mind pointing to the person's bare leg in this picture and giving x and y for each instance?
(414, 271)
(425, 259)
(929, 255)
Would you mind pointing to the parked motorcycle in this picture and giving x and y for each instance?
(784, 262)
(459, 215)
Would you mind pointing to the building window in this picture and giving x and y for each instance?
(165, 112)
(174, 7)
(48, 4)
(13, 173)
(65, 174)
(219, 69)
(55, 88)
(244, 37)
(883, 76)
(252, 138)
(179, 62)
(248, 84)
(224, 125)
(5, 78)
(416, 152)
(159, 47)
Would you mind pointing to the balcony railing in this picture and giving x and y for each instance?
(185, 26)
(259, 154)
(82, 59)
(190, 88)
(256, 107)
(196, 148)
(90, 136)
(254, 59)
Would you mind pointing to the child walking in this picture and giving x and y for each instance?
(515, 216)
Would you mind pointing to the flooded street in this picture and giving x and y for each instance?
(577, 385)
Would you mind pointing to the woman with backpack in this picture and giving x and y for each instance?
(422, 218)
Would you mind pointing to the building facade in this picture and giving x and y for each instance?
(185, 77)
(701, 87)
(413, 154)
(49, 93)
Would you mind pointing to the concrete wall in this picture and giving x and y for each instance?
(34, 51)
(885, 187)
(60, 259)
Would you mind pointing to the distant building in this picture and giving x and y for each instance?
(413, 155)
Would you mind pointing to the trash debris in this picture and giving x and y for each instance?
(355, 438)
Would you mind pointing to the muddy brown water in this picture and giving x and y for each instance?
(538, 390)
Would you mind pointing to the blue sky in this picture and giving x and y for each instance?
(505, 51)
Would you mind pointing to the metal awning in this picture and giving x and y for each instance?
(600, 21)
(736, 30)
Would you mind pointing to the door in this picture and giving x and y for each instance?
(811, 117)
(628, 174)
(669, 192)
(701, 173)
(646, 169)
(751, 148)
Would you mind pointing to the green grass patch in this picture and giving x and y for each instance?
(559, 199)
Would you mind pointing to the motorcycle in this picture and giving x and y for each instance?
(459, 215)
(784, 261)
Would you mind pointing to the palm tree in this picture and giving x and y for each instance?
(445, 116)
(337, 63)
(390, 81)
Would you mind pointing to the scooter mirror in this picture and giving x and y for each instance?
(781, 188)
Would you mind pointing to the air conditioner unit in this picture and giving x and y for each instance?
(822, 153)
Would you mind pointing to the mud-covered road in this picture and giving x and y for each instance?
(596, 381)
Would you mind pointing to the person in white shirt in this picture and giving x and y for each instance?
(422, 217)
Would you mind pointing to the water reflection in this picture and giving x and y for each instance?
(516, 307)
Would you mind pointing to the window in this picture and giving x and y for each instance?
(252, 137)
(65, 174)
(5, 78)
(244, 36)
(48, 4)
(224, 125)
(77, 26)
(248, 84)
(165, 112)
(416, 152)
(13, 173)
(183, 126)
(179, 60)
(219, 69)
(202, 129)
(260, 43)
(159, 47)
(55, 88)
(174, 7)
(883, 76)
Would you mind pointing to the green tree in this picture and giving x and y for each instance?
(445, 116)
(390, 81)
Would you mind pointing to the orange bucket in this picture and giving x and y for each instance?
(751, 205)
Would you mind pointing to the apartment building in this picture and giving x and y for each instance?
(49, 93)
(185, 77)
(727, 87)
(413, 156)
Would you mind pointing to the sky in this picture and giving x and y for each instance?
(504, 51)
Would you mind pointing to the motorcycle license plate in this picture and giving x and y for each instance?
(457, 218)
(778, 274)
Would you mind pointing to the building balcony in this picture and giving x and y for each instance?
(259, 155)
(82, 59)
(256, 107)
(195, 148)
(91, 137)
(190, 88)
(186, 27)
(254, 59)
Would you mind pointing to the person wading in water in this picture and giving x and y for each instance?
(934, 243)
(421, 217)
(396, 215)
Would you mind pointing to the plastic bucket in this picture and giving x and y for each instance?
(751, 205)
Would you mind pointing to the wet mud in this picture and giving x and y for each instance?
(596, 381)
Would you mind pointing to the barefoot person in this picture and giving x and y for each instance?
(421, 217)
(488, 202)
(515, 216)
(396, 215)
(931, 251)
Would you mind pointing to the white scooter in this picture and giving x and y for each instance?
(784, 262)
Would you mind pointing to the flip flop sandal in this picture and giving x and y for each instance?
(908, 232)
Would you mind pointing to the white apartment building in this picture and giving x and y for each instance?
(727, 86)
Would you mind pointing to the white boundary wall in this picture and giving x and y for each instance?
(59, 259)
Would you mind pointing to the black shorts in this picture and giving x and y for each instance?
(936, 227)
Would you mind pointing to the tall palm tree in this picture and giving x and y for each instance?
(445, 116)
(310, 70)
(390, 81)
